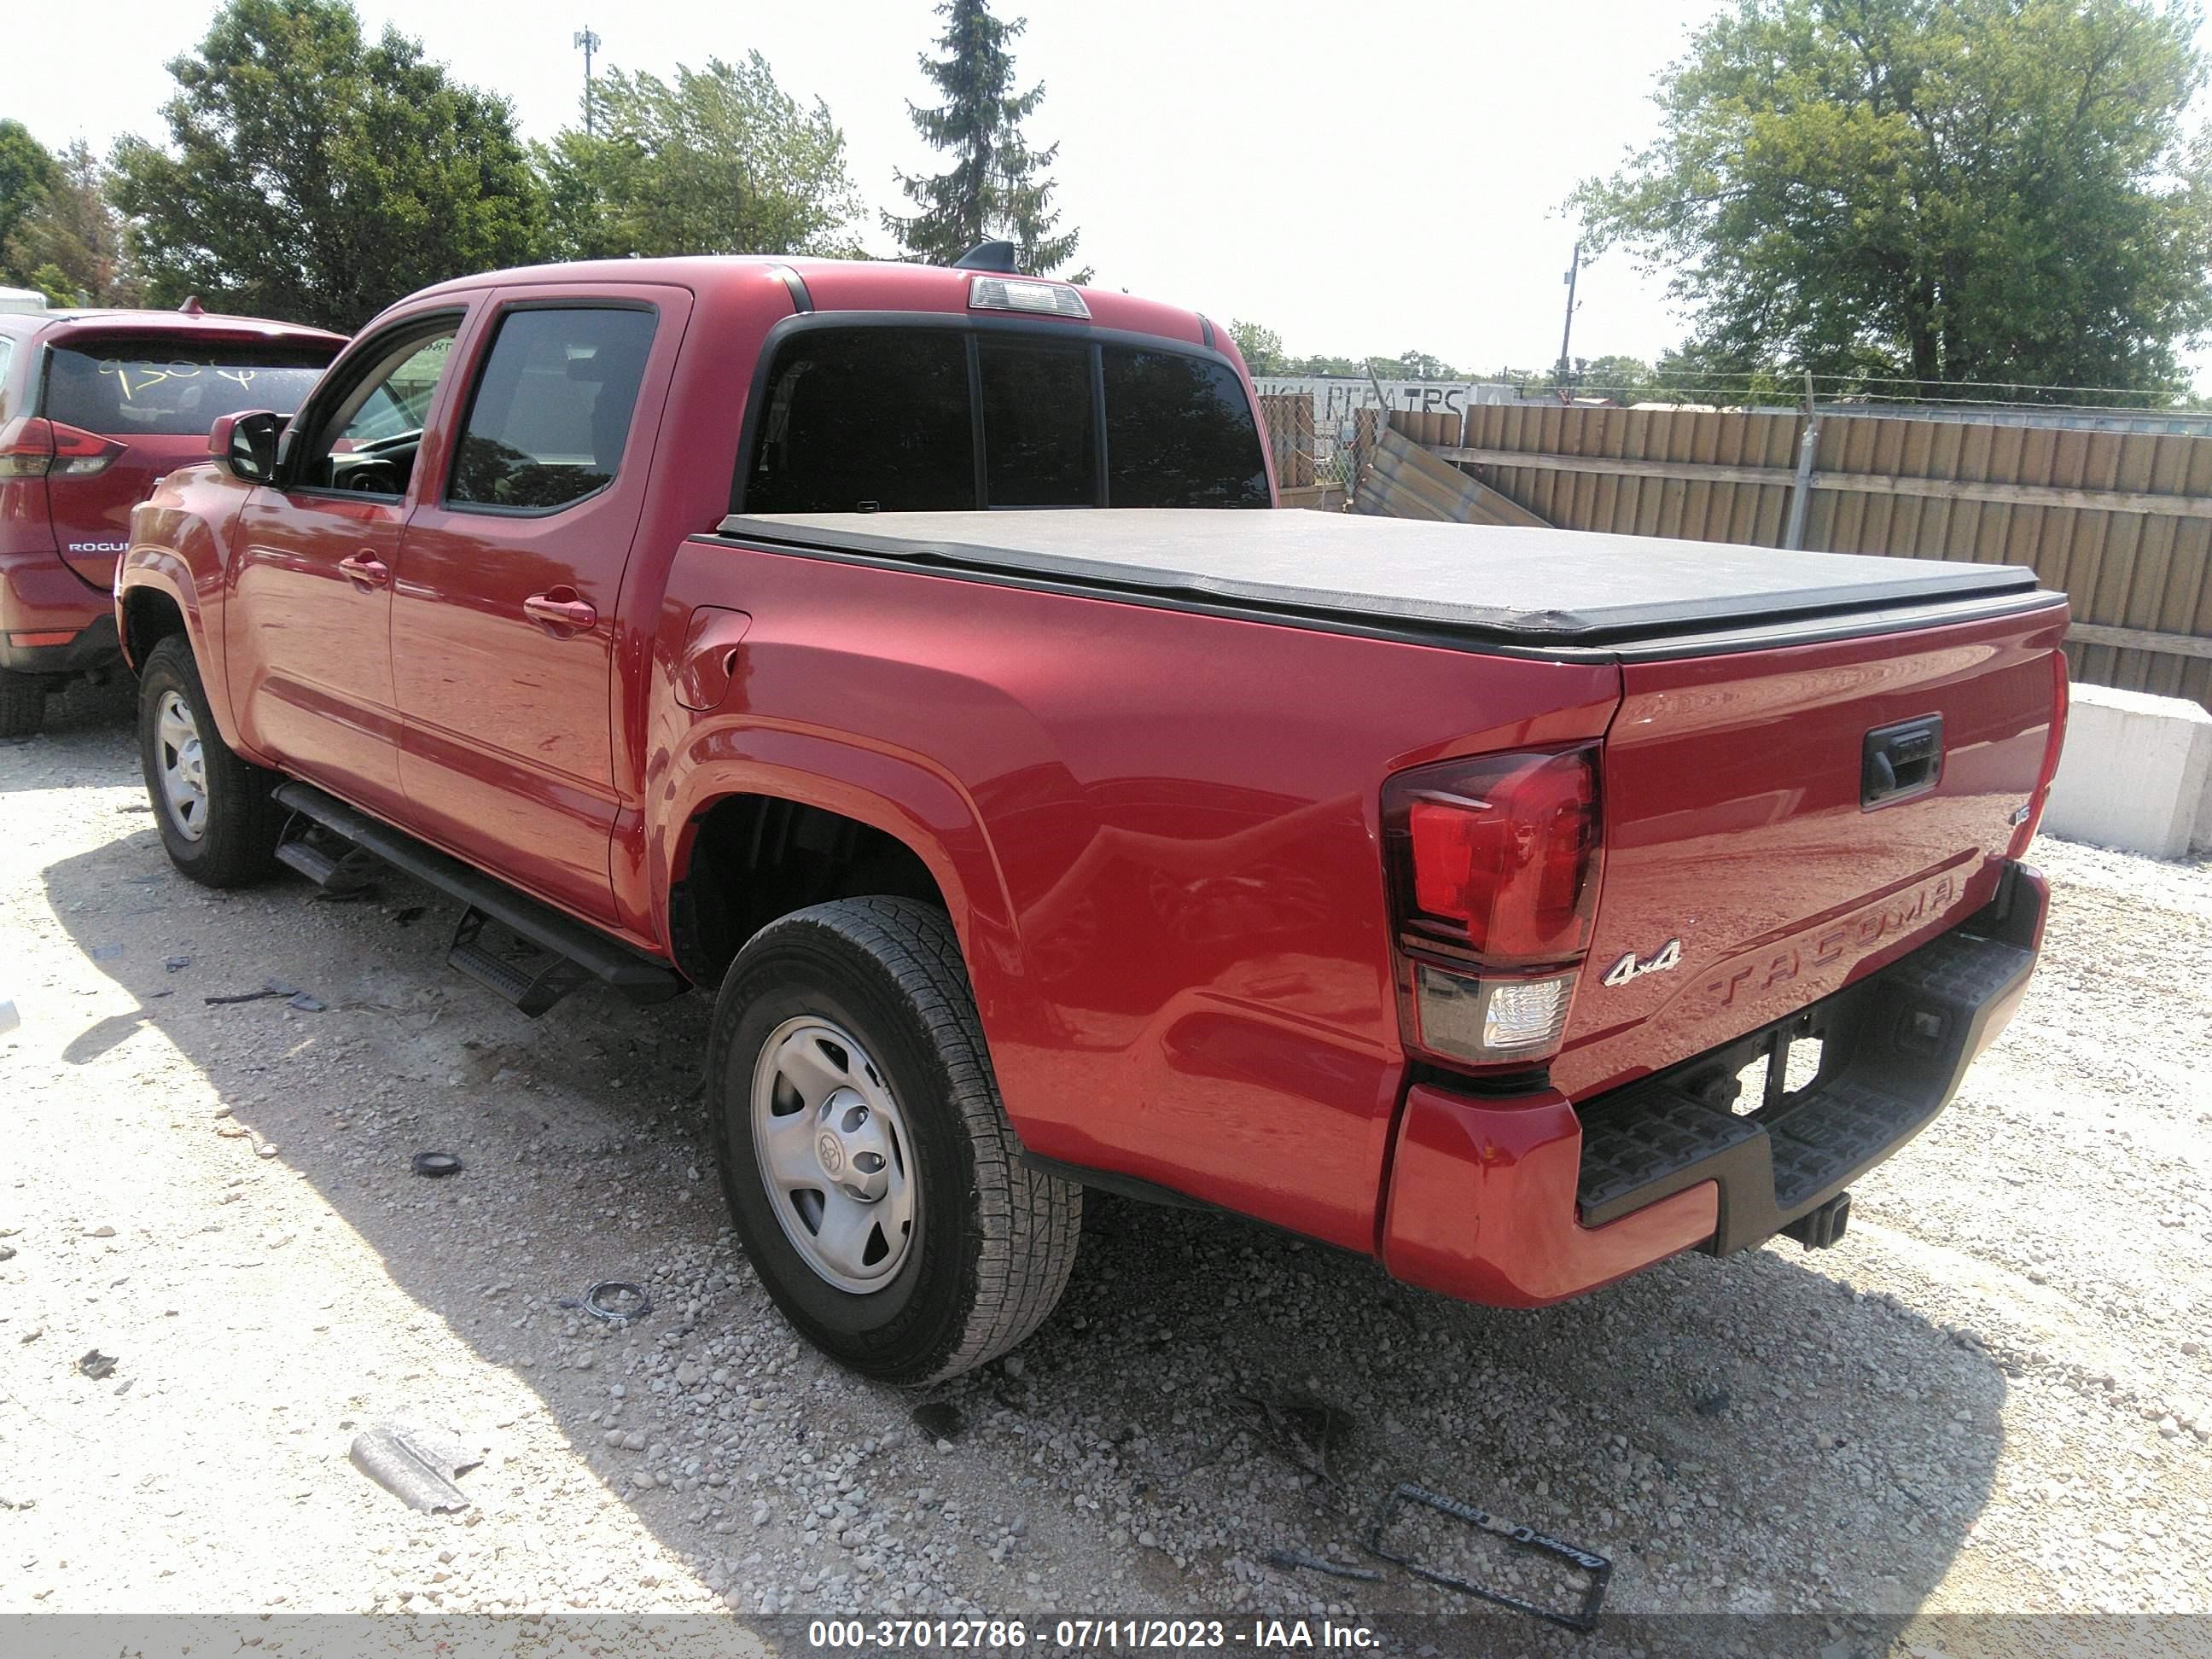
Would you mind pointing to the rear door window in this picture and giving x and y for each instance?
(866, 420)
(126, 388)
(552, 407)
(1038, 444)
(859, 420)
(1179, 433)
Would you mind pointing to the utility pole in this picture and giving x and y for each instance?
(587, 43)
(1567, 333)
(1801, 491)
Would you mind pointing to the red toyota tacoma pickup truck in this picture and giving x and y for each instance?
(1517, 908)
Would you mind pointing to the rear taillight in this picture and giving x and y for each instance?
(1494, 866)
(2060, 697)
(34, 448)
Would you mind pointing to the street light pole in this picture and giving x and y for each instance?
(1568, 332)
(588, 43)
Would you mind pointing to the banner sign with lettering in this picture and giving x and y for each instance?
(1334, 399)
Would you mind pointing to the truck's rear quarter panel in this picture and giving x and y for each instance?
(1194, 983)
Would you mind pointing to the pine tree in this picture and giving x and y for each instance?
(997, 186)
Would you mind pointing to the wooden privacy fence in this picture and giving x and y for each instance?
(2122, 521)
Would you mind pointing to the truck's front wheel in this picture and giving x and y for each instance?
(217, 815)
(870, 1170)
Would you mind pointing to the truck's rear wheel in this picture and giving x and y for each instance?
(214, 811)
(869, 1167)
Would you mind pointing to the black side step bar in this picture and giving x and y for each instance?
(566, 951)
(328, 859)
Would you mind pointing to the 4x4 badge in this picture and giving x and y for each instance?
(1628, 967)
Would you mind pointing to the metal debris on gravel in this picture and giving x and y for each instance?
(1597, 1570)
(417, 1466)
(617, 1303)
(1298, 1561)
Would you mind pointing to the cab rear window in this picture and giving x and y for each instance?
(887, 419)
(152, 387)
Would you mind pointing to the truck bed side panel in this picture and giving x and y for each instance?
(1168, 887)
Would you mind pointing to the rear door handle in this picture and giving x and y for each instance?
(365, 570)
(562, 608)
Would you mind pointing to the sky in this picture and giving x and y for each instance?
(1363, 179)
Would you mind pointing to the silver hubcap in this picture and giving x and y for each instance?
(833, 1151)
(183, 765)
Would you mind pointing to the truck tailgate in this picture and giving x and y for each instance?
(1779, 823)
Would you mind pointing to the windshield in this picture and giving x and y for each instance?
(124, 388)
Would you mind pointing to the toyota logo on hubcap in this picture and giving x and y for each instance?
(833, 1155)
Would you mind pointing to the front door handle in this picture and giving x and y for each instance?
(562, 608)
(365, 571)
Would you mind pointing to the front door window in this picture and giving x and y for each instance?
(367, 446)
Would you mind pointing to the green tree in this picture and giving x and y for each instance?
(1414, 366)
(1626, 380)
(1262, 347)
(1337, 367)
(26, 171)
(71, 241)
(312, 176)
(996, 185)
(1937, 190)
(720, 161)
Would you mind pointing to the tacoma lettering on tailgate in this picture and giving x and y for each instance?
(1854, 934)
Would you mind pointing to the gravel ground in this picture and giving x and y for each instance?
(1996, 1396)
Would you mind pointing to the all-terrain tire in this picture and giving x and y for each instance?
(240, 821)
(22, 704)
(993, 1240)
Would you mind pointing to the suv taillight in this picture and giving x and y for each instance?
(35, 447)
(1494, 867)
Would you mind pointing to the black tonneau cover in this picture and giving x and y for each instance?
(1535, 588)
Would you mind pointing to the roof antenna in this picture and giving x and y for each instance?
(987, 256)
(192, 306)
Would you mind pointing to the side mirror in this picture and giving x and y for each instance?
(245, 445)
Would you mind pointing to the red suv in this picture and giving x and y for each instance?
(94, 407)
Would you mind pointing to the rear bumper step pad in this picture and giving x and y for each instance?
(1896, 1047)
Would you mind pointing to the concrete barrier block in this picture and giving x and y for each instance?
(2136, 774)
(2202, 840)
